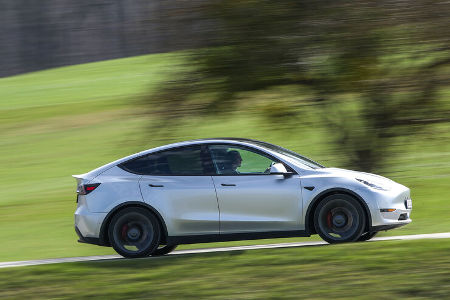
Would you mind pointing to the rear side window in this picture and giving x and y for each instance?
(176, 162)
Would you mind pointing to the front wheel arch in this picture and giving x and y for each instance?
(309, 216)
(104, 239)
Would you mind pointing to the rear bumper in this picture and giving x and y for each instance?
(87, 225)
(88, 240)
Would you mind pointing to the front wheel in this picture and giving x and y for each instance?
(134, 232)
(339, 218)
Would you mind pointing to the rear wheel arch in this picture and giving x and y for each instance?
(309, 217)
(104, 239)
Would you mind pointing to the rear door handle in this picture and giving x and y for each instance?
(155, 185)
(228, 184)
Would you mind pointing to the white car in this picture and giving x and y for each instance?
(229, 189)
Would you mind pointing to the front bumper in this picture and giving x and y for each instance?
(390, 220)
(396, 199)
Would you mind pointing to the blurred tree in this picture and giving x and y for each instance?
(372, 69)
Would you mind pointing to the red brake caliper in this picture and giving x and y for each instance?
(329, 219)
(124, 231)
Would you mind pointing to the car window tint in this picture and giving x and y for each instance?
(233, 160)
(180, 161)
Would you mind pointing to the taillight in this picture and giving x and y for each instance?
(84, 189)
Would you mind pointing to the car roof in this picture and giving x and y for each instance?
(227, 140)
(223, 139)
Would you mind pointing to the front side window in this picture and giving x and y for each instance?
(183, 161)
(235, 160)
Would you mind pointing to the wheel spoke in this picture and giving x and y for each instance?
(124, 232)
(329, 215)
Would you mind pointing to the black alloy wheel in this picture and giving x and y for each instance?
(134, 232)
(339, 218)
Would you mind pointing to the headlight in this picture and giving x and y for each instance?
(372, 185)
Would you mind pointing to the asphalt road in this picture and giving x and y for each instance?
(11, 264)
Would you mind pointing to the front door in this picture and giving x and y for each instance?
(251, 199)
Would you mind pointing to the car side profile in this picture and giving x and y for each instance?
(226, 189)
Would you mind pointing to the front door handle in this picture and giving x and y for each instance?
(155, 185)
(228, 184)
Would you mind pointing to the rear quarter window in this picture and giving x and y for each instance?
(181, 161)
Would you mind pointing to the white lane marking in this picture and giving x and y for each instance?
(56, 260)
(444, 235)
(11, 264)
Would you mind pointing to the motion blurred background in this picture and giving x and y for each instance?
(361, 85)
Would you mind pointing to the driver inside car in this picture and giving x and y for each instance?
(233, 161)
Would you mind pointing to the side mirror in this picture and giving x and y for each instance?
(279, 169)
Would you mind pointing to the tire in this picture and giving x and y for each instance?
(134, 232)
(163, 249)
(339, 218)
(367, 236)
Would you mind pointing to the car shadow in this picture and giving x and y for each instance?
(174, 257)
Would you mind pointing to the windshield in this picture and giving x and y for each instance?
(291, 154)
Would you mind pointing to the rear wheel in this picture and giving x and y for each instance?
(164, 249)
(339, 218)
(134, 232)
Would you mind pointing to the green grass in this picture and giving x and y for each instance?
(70, 120)
(381, 270)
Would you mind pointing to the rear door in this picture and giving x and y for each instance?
(251, 199)
(178, 184)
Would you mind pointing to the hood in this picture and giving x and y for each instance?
(376, 179)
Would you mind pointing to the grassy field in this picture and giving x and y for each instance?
(379, 270)
(71, 120)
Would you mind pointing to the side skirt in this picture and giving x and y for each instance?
(208, 238)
